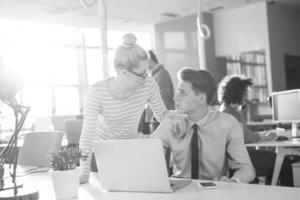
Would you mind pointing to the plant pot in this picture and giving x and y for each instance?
(65, 183)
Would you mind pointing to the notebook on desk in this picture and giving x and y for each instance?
(136, 165)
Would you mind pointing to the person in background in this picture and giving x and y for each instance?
(163, 79)
(114, 106)
(232, 94)
(213, 142)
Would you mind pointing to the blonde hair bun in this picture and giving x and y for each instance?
(129, 40)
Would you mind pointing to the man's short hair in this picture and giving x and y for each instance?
(202, 82)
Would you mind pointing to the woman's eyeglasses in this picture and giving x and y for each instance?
(143, 75)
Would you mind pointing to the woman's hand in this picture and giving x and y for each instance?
(268, 136)
(83, 179)
(180, 125)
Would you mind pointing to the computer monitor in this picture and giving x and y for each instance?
(286, 108)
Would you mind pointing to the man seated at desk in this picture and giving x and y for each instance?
(213, 141)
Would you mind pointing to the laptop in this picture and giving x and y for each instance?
(135, 165)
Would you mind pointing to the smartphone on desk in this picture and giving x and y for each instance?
(208, 185)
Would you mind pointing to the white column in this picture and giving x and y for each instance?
(103, 21)
(203, 33)
(201, 51)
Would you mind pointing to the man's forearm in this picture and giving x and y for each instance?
(245, 174)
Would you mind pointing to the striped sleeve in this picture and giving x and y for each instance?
(91, 111)
(156, 102)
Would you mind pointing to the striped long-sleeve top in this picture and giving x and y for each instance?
(109, 117)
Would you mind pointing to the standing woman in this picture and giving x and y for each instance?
(114, 106)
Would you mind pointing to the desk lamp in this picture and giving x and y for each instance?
(9, 86)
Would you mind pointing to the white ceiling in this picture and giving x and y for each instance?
(138, 15)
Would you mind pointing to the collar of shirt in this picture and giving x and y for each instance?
(209, 116)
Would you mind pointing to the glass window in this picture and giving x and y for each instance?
(40, 101)
(94, 63)
(8, 55)
(32, 33)
(92, 37)
(64, 35)
(114, 38)
(33, 64)
(67, 101)
(6, 117)
(42, 65)
(8, 30)
(112, 71)
(63, 63)
(48, 59)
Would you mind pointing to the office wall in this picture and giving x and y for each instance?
(215, 65)
(243, 29)
(177, 46)
(284, 30)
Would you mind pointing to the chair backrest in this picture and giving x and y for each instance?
(59, 121)
(36, 147)
(73, 130)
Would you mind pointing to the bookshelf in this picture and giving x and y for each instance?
(253, 65)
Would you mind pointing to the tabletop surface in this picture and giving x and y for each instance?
(288, 143)
(92, 190)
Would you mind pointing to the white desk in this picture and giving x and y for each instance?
(230, 191)
(283, 148)
(64, 142)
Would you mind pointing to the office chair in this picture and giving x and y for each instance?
(58, 122)
(263, 161)
(36, 147)
(73, 130)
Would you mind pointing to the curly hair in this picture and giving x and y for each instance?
(232, 89)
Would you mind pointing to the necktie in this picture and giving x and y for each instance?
(195, 153)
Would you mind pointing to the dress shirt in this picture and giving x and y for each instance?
(249, 135)
(221, 147)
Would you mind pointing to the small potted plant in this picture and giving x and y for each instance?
(65, 173)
